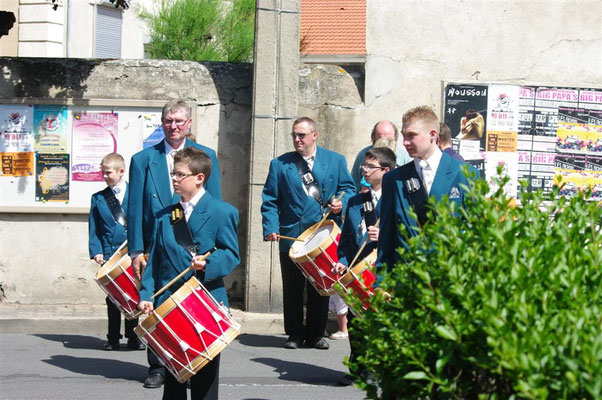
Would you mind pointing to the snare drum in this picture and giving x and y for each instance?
(316, 255)
(116, 278)
(358, 280)
(188, 330)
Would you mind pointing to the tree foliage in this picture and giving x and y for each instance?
(201, 30)
(504, 302)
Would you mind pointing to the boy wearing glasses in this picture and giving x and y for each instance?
(151, 191)
(298, 191)
(212, 224)
(363, 210)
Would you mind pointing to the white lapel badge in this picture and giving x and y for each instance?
(454, 193)
(412, 185)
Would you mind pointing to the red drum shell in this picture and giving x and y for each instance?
(359, 279)
(316, 263)
(116, 278)
(188, 330)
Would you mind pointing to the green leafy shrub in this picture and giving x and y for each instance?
(201, 30)
(505, 303)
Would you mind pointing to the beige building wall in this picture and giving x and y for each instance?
(9, 44)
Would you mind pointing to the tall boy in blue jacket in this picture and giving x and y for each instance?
(213, 224)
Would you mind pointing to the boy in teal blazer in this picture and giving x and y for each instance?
(213, 224)
(106, 234)
(431, 173)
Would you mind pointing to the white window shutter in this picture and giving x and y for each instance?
(107, 43)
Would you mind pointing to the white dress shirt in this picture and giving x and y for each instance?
(119, 191)
(169, 153)
(188, 206)
(427, 169)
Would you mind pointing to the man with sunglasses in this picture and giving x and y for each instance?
(151, 191)
(301, 187)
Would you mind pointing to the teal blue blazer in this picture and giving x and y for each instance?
(150, 187)
(105, 235)
(395, 206)
(213, 223)
(287, 209)
(351, 239)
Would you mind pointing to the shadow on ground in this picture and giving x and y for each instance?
(76, 341)
(254, 340)
(110, 369)
(302, 372)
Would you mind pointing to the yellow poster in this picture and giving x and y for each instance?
(501, 141)
(17, 164)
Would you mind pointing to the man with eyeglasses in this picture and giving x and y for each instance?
(301, 187)
(151, 191)
(432, 173)
(382, 129)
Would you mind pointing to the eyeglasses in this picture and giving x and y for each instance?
(370, 167)
(178, 176)
(300, 136)
(169, 122)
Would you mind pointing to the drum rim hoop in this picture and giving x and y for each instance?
(314, 253)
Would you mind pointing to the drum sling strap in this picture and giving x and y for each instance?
(181, 232)
(369, 211)
(416, 192)
(308, 179)
(115, 207)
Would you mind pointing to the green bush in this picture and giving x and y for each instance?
(505, 303)
(201, 30)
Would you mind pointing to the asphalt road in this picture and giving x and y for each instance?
(62, 366)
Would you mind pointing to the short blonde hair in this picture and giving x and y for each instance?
(425, 114)
(385, 142)
(114, 161)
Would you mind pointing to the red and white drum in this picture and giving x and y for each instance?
(316, 253)
(116, 278)
(358, 280)
(188, 330)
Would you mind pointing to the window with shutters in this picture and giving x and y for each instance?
(107, 37)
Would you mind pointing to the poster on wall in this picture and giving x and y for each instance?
(16, 128)
(17, 164)
(152, 130)
(466, 112)
(94, 136)
(50, 129)
(52, 177)
(551, 131)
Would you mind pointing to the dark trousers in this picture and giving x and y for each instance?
(354, 340)
(204, 385)
(293, 286)
(114, 317)
(154, 365)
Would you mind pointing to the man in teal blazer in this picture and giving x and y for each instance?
(151, 191)
(213, 227)
(431, 173)
(288, 209)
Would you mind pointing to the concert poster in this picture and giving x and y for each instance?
(152, 130)
(17, 164)
(94, 136)
(52, 177)
(50, 129)
(16, 128)
(508, 163)
(466, 112)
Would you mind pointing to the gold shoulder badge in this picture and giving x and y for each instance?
(176, 215)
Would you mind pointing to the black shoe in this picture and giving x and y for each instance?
(135, 344)
(293, 342)
(346, 380)
(109, 346)
(320, 344)
(154, 381)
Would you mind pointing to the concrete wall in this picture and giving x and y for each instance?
(9, 44)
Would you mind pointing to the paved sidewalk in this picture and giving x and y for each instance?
(92, 319)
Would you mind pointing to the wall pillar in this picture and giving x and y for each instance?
(275, 92)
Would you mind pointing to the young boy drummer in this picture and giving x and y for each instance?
(107, 231)
(212, 224)
(363, 211)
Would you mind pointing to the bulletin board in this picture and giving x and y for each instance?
(537, 134)
(50, 151)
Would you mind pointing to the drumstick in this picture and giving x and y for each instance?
(164, 288)
(289, 238)
(363, 245)
(327, 214)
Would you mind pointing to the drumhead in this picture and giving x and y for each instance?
(301, 248)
